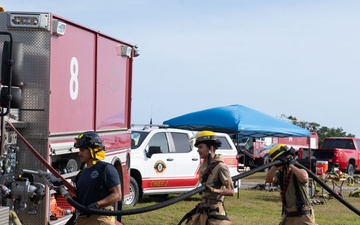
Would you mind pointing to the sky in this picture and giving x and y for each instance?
(298, 58)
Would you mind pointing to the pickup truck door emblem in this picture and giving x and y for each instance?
(160, 166)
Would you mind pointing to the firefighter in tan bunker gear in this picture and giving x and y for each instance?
(210, 211)
(297, 208)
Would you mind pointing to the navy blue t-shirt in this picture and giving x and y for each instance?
(87, 184)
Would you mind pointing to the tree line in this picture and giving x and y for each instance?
(322, 131)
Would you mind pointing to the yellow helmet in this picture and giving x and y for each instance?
(207, 136)
(278, 150)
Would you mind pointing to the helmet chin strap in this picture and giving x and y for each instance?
(209, 158)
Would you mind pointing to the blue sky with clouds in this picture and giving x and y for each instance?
(299, 58)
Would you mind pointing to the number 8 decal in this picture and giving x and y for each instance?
(74, 82)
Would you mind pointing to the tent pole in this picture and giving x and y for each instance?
(309, 152)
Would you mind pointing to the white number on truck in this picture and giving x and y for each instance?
(74, 82)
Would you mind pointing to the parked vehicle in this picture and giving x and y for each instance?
(340, 152)
(61, 78)
(255, 151)
(165, 160)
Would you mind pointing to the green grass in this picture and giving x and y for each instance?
(253, 207)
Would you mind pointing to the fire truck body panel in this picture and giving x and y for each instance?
(298, 142)
(117, 80)
(72, 83)
(88, 72)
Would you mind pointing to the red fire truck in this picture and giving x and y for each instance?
(58, 79)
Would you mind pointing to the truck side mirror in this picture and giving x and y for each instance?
(153, 150)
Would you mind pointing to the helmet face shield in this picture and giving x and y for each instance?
(80, 142)
(89, 139)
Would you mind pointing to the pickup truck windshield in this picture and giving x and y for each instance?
(338, 143)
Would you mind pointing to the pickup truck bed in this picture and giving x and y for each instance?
(343, 159)
(316, 155)
(342, 152)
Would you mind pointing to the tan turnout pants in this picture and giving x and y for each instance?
(201, 218)
(299, 220)
(96, 219)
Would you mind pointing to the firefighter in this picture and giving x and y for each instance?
(296, 204)
(210, 211)
(98, 184)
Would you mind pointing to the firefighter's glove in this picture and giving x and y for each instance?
(93, 205)
(209, 189)
(284, 161)
(58, 189)
(290, 161)
(53, 180)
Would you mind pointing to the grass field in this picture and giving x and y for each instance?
(253, 207)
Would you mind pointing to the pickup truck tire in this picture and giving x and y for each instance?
(133, 198)
(350, 170)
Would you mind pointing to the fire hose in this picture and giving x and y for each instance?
(198, 190)
(327, 188)
(82, 208)
(66, 192)
(43, 161)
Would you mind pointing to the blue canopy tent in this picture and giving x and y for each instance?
(237, 119)
(242, 122)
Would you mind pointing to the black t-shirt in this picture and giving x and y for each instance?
(88, 183)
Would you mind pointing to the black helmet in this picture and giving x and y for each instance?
(88, 139)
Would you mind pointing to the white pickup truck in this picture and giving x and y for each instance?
(164, 161)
